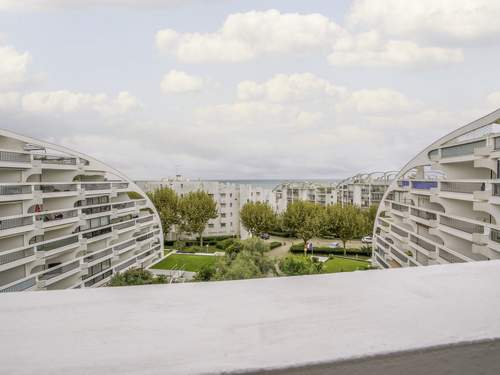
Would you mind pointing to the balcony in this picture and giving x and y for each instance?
(124, 225)
(145, 219)
(57, 190)
(15, 192)
(96, 188)
(124, 247)
(16, 257)
(15, 159)
(423, 187)
(59, 272)
(98, 255)
(15, 225)
(19, 285)
(424, 217)
(120, 185)
(52, 247)
(460, 228)
(56, 218)
(421, 244)
(55, 162)
(460, 190)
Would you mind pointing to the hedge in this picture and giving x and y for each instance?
(280, 234)
(274, 245)
(299, 248)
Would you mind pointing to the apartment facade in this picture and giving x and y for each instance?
(364, 189)
(66, 220)
(289, 192)
(444, 205)
(230, 198)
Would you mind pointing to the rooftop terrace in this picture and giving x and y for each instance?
(432, 320)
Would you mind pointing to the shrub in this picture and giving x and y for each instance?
(280, 234)
(136, 276)
(365, 250)
(274, 245)
(293, 265)
(225, 244)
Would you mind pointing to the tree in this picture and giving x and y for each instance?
(196, 209)
(257, 217)
(293, 265)
(304, 219)
(166, 202)
(346, 222)
(370, 214)
(136, 276)
(243, 260)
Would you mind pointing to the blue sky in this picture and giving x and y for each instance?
(247, 89)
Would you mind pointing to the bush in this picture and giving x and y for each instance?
(274, 245)
(365, 250)
(225, 244)
(280, 234)
(136, 276)
(293, 265)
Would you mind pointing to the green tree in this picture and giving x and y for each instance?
(370, 214)
(166, 203)
(196, 209)
(293, 265)
(136, 276)
(257, 217)
(346, 222)
(304, 219)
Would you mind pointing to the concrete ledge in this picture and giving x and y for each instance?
(297, 324)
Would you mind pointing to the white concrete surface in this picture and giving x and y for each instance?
(247, 325)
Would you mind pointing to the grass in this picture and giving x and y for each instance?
(337, 264)
(186, 262)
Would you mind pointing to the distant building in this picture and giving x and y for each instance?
(364, 190)
(319, 193)
(66, 220)
(229, 197)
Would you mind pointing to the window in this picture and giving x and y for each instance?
(210, 225)
(222, 225)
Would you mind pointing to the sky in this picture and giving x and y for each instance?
(250, 89)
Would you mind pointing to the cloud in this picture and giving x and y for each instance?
(293, 87)
(462, 20)
(245, 36)
(175, 82)
(376, 101)
(493, 99)
(65, 4)
(369, 50)
(13, 67)
(64, 101)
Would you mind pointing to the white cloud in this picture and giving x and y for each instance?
(376, 101)
(293, 87)
(9, 100)
(13, 67)
(69, 4)
(64, 101)
(456, 19)
(175, 82)
(369, 50)
(244, 36)
(493, 99)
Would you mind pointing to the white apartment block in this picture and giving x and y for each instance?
(66, 220)
(319, 193)
(444, 206)
(364, 189)
(229, 197)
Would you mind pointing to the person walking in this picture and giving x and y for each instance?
(310, 247)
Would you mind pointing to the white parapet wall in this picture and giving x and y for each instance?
(432, 320)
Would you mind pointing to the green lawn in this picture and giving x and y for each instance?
(343, 265)
(186, 262)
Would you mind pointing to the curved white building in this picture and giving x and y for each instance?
(444, 206)
(67, 220)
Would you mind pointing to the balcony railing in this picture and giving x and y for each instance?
(96, 233)
(462, 187)
(121, 206)
(399, 207)
(124, 245)
(15, 189)
(145, 219)
(96, 279)
(423, 214)
(403, 183)
(422, 258)
(47, 246)
(423, 244)
(20, 286)
(461, 150)
(495, 235)
(15, 157)
(61, 160)
(424, 185)
(120, 185)
(496, 190)
(17, 255)
(144, 237)
(54, 216)
(464, 226)
(56, 188)
(96, 210)
(125, 265)
(127, 224)
(449, 257)
(398, 255)
(98, 186)
(94, 257)
(398, 231)
(58, 270)
(16, 222)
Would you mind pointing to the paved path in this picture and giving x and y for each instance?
(282, 251)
